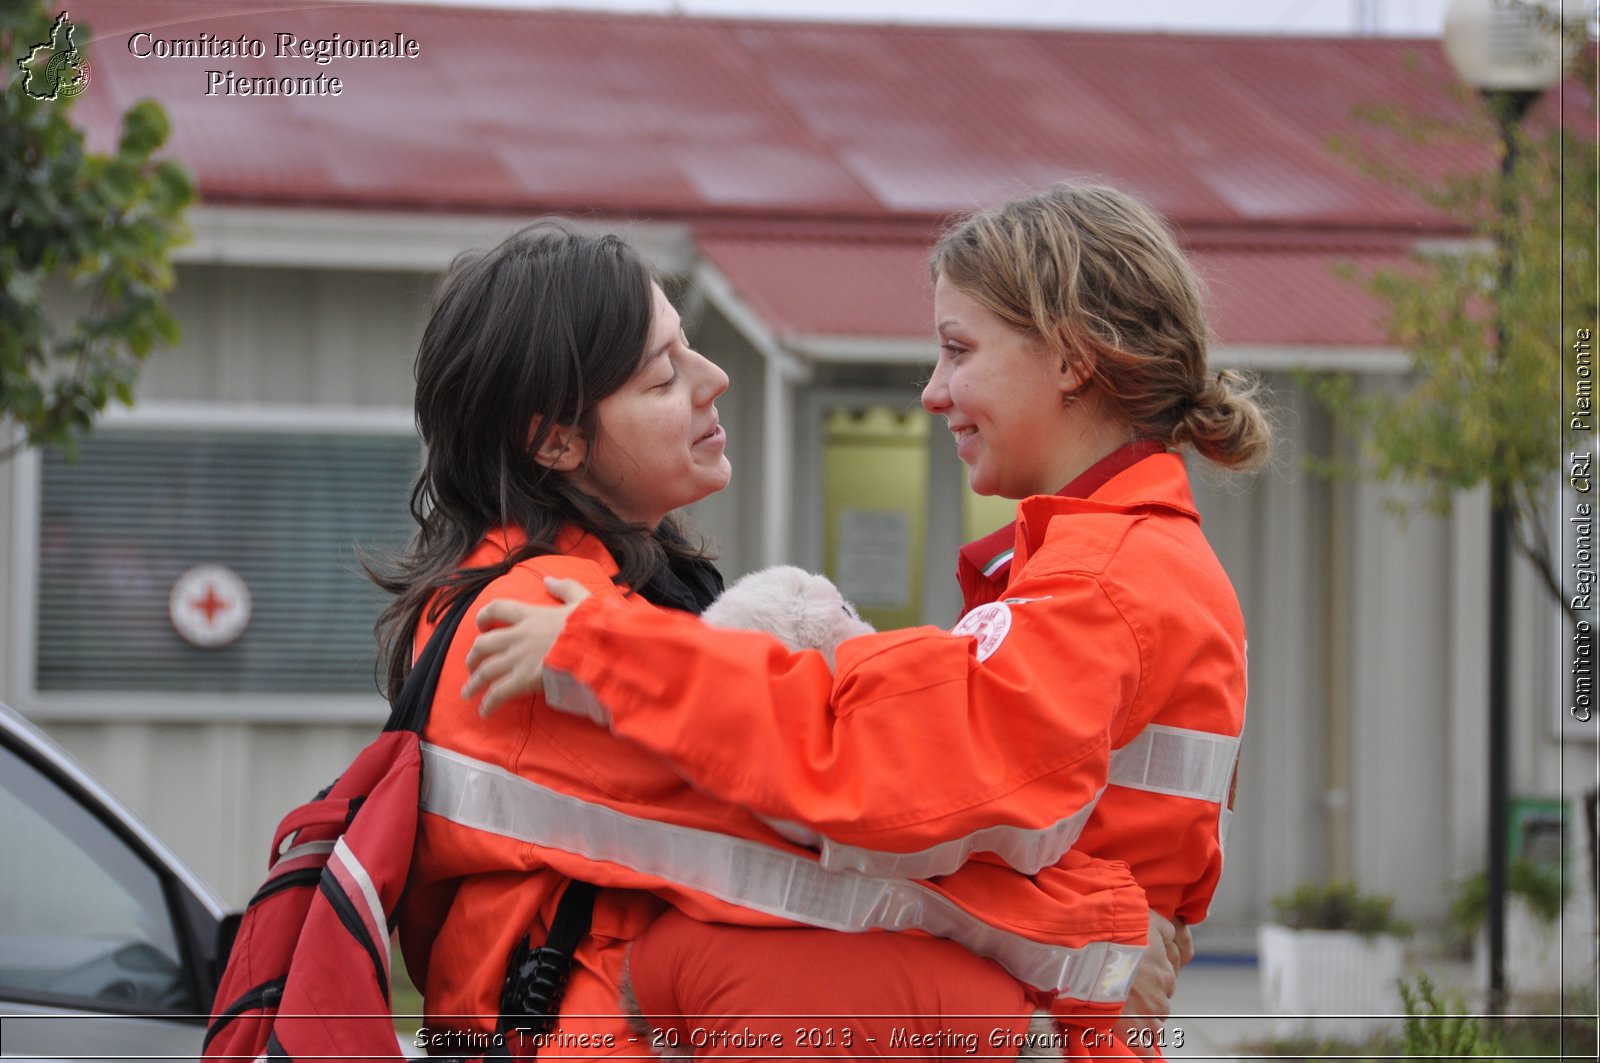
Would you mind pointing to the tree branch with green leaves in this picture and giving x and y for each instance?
(93, 232)
(1473, 411)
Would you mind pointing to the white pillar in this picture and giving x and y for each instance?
(783, 371)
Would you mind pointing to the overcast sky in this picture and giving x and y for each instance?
(1411, 18)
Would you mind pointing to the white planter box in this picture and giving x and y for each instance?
(1330, 984)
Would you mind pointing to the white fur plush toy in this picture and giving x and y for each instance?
(804, 610)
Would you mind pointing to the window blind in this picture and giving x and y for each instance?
(286, 512)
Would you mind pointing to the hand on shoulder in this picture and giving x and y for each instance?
(507, 658)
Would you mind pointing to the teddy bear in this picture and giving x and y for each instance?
(802, 609)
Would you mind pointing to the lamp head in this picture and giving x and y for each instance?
(1507, 45)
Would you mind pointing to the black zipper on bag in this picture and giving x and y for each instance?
(304, 877)
(257, 998)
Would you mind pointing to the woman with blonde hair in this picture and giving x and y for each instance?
(1102, 639)
(566, 417)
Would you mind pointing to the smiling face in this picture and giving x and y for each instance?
(658, 444)
(1001, 393)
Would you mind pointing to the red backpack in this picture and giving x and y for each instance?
(309, 971)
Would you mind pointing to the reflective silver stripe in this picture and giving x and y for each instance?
(305, 849)
(563, 691)
(1024, 848)
(1177, 761)
(369, 893)
(751, 875)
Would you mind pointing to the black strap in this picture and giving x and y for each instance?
(411, 708)
(573, 916)
(536, 977)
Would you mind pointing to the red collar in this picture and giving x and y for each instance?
(984, 565)
(1097, 475)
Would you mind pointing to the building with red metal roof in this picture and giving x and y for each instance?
(788, 179)
(767, 136)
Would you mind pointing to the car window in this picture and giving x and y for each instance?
(82, 915)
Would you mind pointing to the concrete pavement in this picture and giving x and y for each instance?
(1219, 1010)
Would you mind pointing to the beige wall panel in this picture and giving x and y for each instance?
(268, 353)
(297, 337)
(368, 328)
(1574, 764)
(285, 766)
(947, 492)
(189, 372)
(1268, 529)
(1400, 712)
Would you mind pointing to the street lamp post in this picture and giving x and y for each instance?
(1512, 53)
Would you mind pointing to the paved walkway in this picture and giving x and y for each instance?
(1217, 1011)
(1220, 1010)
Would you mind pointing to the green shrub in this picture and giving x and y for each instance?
(1540, 887)
(1440, 1029)
(1338, 906)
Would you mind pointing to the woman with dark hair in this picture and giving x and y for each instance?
(1072, 370)
(565, 417)
(485, 404)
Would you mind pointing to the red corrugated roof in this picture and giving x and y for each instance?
(807, 286)
(1308, 296)
(1285, 295)
(736, 122)
(656, 115)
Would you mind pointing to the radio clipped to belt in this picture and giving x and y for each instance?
(530, 999)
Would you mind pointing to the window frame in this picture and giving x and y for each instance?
(171, 907)
(195, 913)
(176, 706)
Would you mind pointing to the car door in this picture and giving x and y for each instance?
(108, 945)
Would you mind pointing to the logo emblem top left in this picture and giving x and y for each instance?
(55, 69)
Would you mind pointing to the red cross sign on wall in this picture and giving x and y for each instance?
(209, 605)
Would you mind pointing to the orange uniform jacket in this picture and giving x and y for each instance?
(1119, 631)
(1166, 810)
(516, 804)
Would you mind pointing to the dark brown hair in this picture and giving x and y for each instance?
(520, 339)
